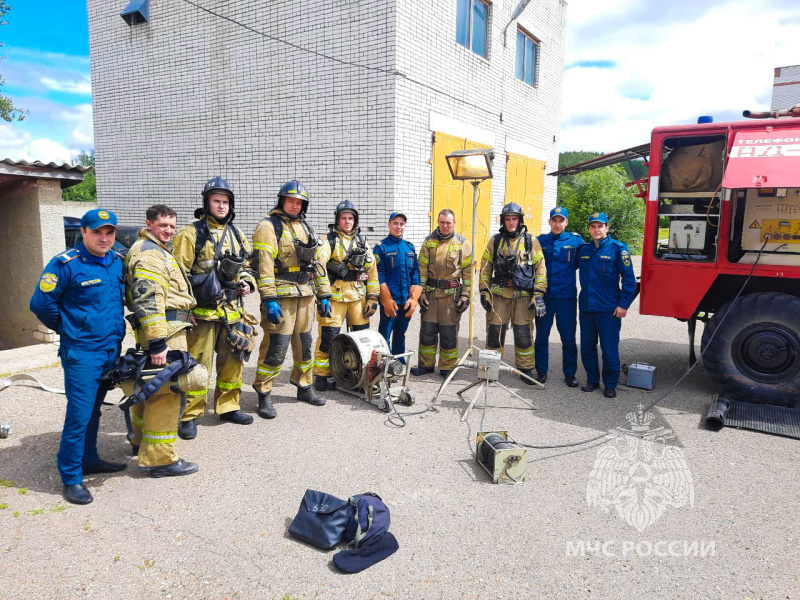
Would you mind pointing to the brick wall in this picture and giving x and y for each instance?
(189, 95)
(786, 87)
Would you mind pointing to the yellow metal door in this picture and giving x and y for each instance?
(457, 195)
(525, 186)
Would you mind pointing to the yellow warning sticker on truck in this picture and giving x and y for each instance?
(755, 225)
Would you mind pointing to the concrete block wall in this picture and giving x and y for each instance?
(786, 87)
(443, 77)
(190, 95)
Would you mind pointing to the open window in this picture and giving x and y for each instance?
(689, 198)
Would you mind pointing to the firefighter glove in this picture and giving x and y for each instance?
(486, 301)
(424, 304)
(274, 311)
(324, 308)
(388, 303)
(462, 304)
(370, 306)
(538, 306)
(413, 299)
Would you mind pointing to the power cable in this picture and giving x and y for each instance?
(340, 61)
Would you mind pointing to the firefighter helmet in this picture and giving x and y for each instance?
(345, 206)
(215, 185)
(293, 189)
(512, 208)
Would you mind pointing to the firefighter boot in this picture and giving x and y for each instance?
(187, 430)
(306, 394)
(236, 416)
(420, 370)
(180, 467)
(320, 383)
(266, 410)
(529, 376)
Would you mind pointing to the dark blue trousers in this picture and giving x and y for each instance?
(82, 372)
(606, 327)
(393, 329)
(564, 311)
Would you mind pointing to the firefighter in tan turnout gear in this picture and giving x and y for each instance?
(445, 271)
(216, 255)
(160, 297)
(512, 282)
(291, 272)
(354, 285)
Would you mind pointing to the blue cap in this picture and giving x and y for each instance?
(559, 211)
(398, 214)
(355, 561)
(95, 219)
(598, 218)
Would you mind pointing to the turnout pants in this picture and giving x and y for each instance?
(204, 339)
(155, 421)
(330, 327)
(606, 327)
(82, 371)
(439, 328)
(294, 328)
(515, 312)
(564, 311)
(393, 329)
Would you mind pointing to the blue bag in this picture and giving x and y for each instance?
(369, 520)
(321, 519)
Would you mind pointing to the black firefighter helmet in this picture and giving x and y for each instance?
(293, 189)
(512, 208)
(215, 185)
(345, 206)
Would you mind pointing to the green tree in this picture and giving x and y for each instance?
(603, 190)
(8, 112)
(86, 190)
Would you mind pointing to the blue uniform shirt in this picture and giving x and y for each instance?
(560, 254)
(397, 266)
(81, 299)
(601, 268)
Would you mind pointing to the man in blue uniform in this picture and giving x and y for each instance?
(602, 263)
(80, 297)
(398, 274)
(560, 249)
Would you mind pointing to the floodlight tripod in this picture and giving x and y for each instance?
(471, 349)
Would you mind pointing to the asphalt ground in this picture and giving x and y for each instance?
(221, 533)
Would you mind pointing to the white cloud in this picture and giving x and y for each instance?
(18, 145)
(84, 86)
(82, 135)
(670, 71)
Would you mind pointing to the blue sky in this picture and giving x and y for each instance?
(629, 66)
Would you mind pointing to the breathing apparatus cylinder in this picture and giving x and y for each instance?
(195, 380)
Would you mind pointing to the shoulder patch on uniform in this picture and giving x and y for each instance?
(574, 233)
(151, 245)
(68, 255)
(48, 282)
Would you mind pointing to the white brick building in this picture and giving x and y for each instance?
(359, 99)
(786, 87)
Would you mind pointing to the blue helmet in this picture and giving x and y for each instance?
(293, 189)
(215, 185)
(343, 207)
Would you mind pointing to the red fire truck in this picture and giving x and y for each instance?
(730, 194)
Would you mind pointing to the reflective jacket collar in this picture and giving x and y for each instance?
(342, 234)
(278, 212)
(443, 238)
(213, 223)
(146, 235)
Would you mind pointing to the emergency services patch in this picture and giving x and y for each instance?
(103, 215)
(48, 282)
(626, 258)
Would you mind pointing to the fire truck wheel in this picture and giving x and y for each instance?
(754, 355)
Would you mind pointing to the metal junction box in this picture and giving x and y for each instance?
(489, 365)
(642, 375)
(687, 235)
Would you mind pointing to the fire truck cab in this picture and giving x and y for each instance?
(729, 194)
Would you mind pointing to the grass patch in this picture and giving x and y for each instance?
(58, 508)
(6, 483)
(37, 511)
(3, 506)
(22, 491)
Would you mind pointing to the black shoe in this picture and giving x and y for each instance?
(306, 394)
(571, 381)
(610, 392)
(541, 377)
(529, 373)
(134, 450)
(266, 410)
(181, 467)
(103, 466)
(77, 494)
(187, 430)
(417, 371)
(236, 416)
(320, 383)
(445, 373)
(590, 387)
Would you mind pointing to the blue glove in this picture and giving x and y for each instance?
(324, 308)
(274, 311)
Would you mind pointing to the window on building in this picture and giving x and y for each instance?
(527, 53)
(472, 25)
